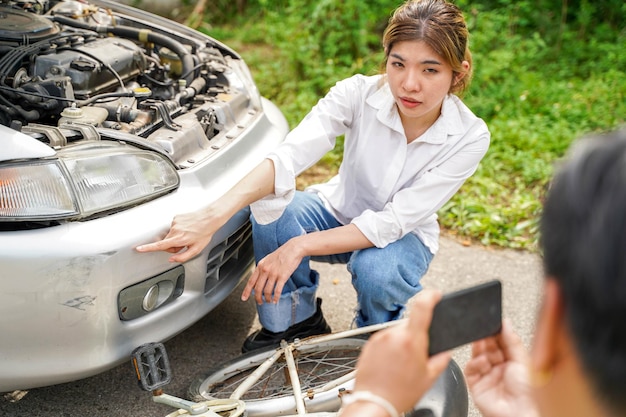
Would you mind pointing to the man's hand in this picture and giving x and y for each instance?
(394, 363)
(497, 375)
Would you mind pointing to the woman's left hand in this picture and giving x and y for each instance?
(272, 272)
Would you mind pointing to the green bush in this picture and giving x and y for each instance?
(546, 73)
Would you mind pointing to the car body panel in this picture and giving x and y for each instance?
(16, 145)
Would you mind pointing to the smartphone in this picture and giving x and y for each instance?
(465, 316)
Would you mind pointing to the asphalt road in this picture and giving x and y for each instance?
(219, 335)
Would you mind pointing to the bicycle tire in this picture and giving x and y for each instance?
(317, 363)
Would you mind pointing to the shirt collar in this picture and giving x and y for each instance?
(386, 111)
(449, 123)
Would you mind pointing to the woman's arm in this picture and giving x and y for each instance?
(193, 231)
(308, 142)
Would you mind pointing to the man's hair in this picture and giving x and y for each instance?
(583, 237)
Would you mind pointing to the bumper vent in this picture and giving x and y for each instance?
(230, 258)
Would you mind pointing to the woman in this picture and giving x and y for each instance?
(410, 143)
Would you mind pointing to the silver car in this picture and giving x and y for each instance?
(112, 121)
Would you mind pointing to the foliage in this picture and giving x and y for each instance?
(546, 73)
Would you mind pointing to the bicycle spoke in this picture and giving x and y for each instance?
(317, 366)
(326, 369)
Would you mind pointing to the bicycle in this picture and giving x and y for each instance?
(306, 377)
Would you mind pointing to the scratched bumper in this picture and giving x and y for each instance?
(59, 309)
(60, 286)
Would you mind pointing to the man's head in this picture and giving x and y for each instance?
(583, 237)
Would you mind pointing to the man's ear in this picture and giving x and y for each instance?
(550, 331)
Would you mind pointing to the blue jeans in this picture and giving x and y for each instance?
(384, 278)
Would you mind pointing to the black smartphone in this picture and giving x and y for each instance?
(465, 316)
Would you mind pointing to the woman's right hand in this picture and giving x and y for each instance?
(189, 234)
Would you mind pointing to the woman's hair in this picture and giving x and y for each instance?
(441, 26)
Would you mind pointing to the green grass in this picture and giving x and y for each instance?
(537, 89)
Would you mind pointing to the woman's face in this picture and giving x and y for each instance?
(419, 79)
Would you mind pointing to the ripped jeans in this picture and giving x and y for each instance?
(384, 278)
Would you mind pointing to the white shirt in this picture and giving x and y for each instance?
(385, 186)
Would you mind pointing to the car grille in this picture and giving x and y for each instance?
(232, 257)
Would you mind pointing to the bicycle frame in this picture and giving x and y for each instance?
(287, 350)
(152, 367)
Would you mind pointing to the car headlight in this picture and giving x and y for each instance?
(83, 181)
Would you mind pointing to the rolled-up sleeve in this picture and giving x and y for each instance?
(304, 146)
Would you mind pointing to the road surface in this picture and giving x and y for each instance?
(218, 337)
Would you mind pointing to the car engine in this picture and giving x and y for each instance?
(72, 71)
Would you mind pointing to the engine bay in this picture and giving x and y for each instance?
(73, 71)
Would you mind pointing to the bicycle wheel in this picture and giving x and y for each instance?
(317, 364)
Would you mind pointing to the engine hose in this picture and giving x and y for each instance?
(15, 109)
(197, 86)
(141, 35)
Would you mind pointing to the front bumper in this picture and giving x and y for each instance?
(60, 311)
(61, 315)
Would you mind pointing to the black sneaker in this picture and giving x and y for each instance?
(314, 325)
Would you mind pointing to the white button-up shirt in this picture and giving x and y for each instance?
(385, 186)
